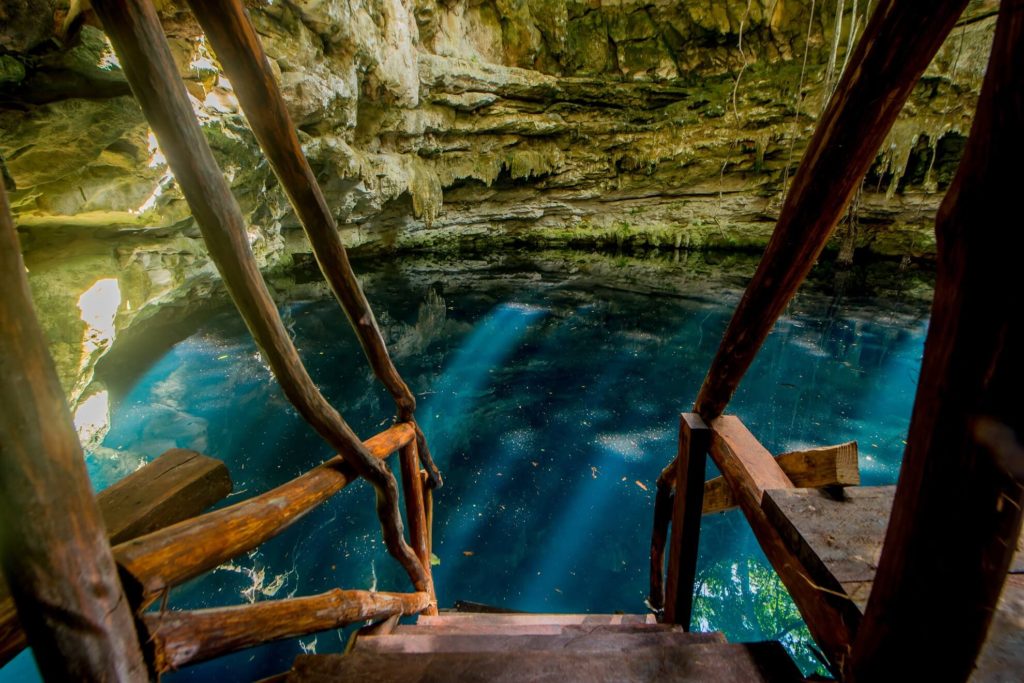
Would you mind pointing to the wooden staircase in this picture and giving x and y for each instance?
(469, 647)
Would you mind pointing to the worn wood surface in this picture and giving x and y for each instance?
(703, 663)
(751, 470)
(240, 53)
(694, 440)
(185, 550)
(182, 638)
(898, 43)
(177, 485)
(810, 468)
(53, 547)
(663, 505)
(416, 514)
(137, 37)
(957, 513)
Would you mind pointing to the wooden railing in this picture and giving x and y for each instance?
(89, 633)
(958, 506)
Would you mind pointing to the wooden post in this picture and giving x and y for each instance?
(957, 513)
(135, 32)
(896, 47)
(53, 546)
(694, 440)
(240, 53)
(415, 514)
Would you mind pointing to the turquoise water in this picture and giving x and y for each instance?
(551, 403)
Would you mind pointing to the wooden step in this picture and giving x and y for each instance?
(705, 663)
(523, 619)
(577, 638)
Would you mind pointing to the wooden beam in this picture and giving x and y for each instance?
(177, 485)
(182, 638)
(152, 563)
(957, 512)
(694, 439)
(750, 470)
(810, 468)
(55, 555)
(415, 513)
(897, 45)
(240, 52)
(663, 506)
(137, 37)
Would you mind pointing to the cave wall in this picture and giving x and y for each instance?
(440, 124)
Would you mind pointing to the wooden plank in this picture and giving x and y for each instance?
(809, 468)
(137, 37)
(691, 461)
(697, 663)
(957, 512)
(177, 485)
(182, 638)
(56, 558)
(183, 551)
(751, 470)
(897, 45)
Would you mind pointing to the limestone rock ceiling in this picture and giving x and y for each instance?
(435, 123)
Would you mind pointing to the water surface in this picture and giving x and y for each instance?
(549, 390)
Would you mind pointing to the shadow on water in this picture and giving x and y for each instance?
(549, 389)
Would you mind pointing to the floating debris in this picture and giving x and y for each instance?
(468, 553)
(641, 484)
(434, 560)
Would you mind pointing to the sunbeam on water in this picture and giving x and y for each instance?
(551, 406)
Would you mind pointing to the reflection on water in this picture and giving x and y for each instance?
(550, 405)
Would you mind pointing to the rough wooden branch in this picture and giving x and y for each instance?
(899, 42)
(811, 468)
(240, 53)
(750, 470)
(694, 439)
(957, 511)
(55, 555)
(182, 638)
(185, 550)
(135, 32)
(416, 514)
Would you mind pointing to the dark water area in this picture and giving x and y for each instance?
(549, 390)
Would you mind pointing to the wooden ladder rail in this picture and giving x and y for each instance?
(240, 52)
(152, 564)
(138, 39)
(898, 43)
(55, 553)
(957, 511)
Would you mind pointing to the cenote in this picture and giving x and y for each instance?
(549, 388)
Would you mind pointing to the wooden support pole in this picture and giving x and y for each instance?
(135, 32)
(53, 547)
(957, 512)
(240, 53)
(415, 513)
(897, 45)
(751, 470)
(182, 638)
(694, 440)
(165, 558)
(663, 505)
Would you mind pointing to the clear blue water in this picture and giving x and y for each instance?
(551, 404)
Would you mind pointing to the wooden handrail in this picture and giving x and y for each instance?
(897, 45)
(415, 512)
(240, 53)
(56, 557)
(154, 562)
(182, 638)
(138, 39)
(957, 512)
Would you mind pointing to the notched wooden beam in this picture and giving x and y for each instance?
(813, 468)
